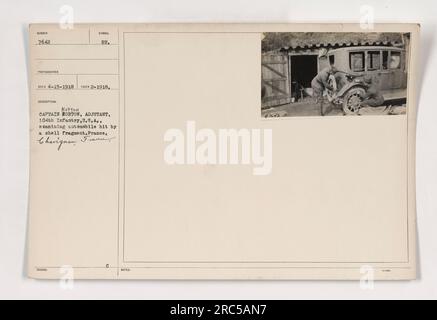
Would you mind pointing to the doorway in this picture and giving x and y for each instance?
(303, 68)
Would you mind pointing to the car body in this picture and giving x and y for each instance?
(386, 65)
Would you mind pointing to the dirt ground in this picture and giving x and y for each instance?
(310, 108)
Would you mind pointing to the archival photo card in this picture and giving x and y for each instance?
(155, 154)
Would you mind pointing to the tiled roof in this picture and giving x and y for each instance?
(310, 40)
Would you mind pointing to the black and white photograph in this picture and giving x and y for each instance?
(334, 74)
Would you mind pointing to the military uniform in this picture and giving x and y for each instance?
(372, 97)
(320, 82)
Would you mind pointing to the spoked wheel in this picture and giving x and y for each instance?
(332, 94)
(352, 101)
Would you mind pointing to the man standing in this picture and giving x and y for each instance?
(320, 83)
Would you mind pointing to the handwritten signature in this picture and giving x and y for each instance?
(61, 142)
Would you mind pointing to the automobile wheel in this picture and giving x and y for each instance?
(332, 94)
(352, 100)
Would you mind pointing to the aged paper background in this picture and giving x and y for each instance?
(116, 210)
